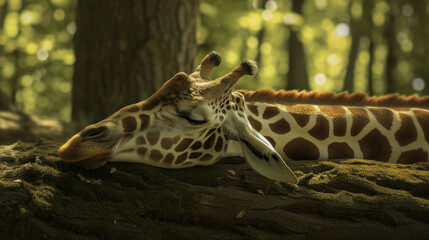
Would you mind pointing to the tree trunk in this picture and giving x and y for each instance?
(370, 89)
(297, 76)
(367, 7)
(125, 50)
(390, 37)
(348, 84)
(42, 198)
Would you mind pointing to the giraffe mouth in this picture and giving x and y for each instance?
(93, 162)
(84, 153)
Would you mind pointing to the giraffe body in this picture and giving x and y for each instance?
(192, 120)
(320, 132)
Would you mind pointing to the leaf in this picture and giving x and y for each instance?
(112, 170)
(260, 191)
(95, 182)
(232, 172)
(81, 177)
(241, 214)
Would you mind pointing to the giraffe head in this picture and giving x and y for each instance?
(186, 122)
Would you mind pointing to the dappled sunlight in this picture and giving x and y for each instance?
(38, 57)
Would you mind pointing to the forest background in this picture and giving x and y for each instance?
(377, 47)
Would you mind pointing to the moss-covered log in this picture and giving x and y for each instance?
(41, 197)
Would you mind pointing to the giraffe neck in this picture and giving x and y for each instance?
(316, 132)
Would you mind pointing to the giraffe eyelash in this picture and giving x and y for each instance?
(193, 121)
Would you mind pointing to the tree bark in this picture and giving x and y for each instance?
(125, 50)
(42, 198)
(297, 77)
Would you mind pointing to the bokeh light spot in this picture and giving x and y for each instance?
(42, 54)
(252, 42)
(320, 79)
(342, 29)
(271, 5)
(407, 10)
(26, 81)
(59, 14)
(418, 84)
(27, 17)
(266, 48)
(267, 15)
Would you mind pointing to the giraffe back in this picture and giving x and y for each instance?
(316, 126)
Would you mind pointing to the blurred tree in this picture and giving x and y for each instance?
(390, 36)
(125, 50)
(260, 35)
(297, 77)
(37, 58)
(356, 32)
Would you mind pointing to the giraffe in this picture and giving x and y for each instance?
(192, 120)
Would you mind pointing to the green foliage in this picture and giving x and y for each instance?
(36, 60)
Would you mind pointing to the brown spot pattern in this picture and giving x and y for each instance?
(207, 157)
(210, 132)
(133, 108)
(184, 144)
(413, 156)
(166, 143)
(219, 144)
(255, 124)
(270, 111)
(384, 116)
(280, 127)
(129, 124)
(338, 115)
(196, 145)
(339, 150)
(155, 155)
(175, 139)
(148, 105)
(271, 140)
(195, 155)
(360, 119)
(375, 146)
(423, 119)
(168, 159)
(301, 149)
(321, 128)
(141, 151)
(407, 133)
(253, 109)
(140, 140)
(301, 113)
(209, 142)
(144, 119)
(152, 137)
(181, 158)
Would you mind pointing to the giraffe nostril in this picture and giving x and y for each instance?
(93, 132)
(275, 157)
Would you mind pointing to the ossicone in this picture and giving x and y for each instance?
(210, 61)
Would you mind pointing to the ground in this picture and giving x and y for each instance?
(43, 198)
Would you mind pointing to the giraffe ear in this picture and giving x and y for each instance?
(263, 158)
(258, 151)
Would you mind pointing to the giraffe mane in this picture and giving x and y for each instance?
(329, 98)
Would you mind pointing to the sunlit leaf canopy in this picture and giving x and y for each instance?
(36, 60)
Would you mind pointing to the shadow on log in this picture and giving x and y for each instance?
(41, 197)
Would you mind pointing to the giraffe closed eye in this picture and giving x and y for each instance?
(193, 121)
